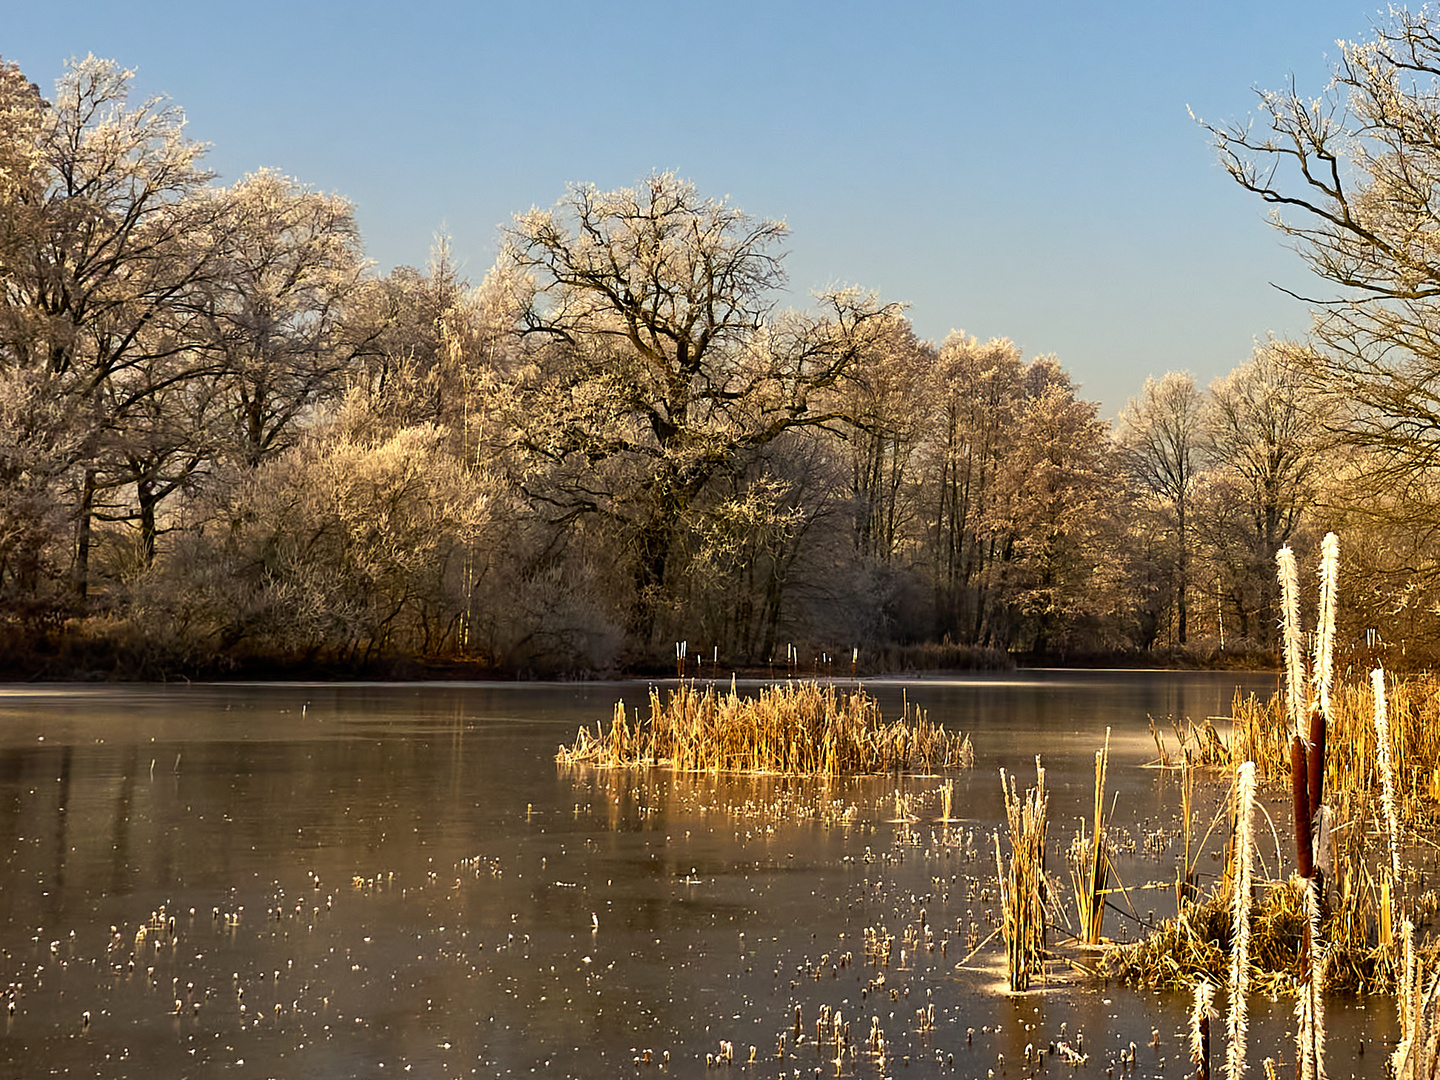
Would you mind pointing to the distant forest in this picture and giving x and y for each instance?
(228, 445)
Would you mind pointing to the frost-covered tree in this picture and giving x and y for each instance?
(1160, 438)
(285, 261)
(1053, 520)
(655, 360)
(39, 439)
(889, 384)
(96, 257)
(22, 177)
(429, 345)
(972, 419)
(346, 545)
(1353, 177)
(1260, 432)
(416, 327)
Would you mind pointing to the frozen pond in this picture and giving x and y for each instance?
(371, 881)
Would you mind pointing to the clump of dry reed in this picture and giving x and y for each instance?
(799, 727)
(1022, 884)
(1197, 945)
(1262, 733)
(1200, 744)
(1379, 737)
(1090, 858)
(1354, 761)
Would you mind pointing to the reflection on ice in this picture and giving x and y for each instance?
(336, 879)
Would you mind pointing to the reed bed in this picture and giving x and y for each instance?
(796, 728)
(1197, 945)
(1262, 732)
(1022, 884)
(1090, 858)
(1362, 760)
(1383, 802)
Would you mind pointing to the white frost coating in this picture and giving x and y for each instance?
(1204, 995)
(1294, 658)
(1310, 1001)
(1324, 668)
(1387, 776)
(1240, 938)
(1407, 1001)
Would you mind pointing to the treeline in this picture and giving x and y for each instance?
(226, 443)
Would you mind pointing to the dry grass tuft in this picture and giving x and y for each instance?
(1022, 884)
(796, 728)
(1089, 858)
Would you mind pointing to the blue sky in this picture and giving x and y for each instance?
(1025, 171)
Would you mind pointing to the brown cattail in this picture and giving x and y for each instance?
(1299, 783)
(1316, 757)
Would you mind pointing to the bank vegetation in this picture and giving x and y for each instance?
(228, 444)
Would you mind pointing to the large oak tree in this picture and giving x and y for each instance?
(656, 359)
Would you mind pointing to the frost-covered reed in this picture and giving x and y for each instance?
(1323, 672)
(1371, 749)
(1309, 997)
(1200, 1013)
(1362, 953)
(1239, 984)
(1294, 647)
(1387, 771)
(1407, 997)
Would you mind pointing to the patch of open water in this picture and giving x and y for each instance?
(383, 880)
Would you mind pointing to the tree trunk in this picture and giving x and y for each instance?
(651, 560)
(84, 527)
(1182, 573)
(148, 502)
